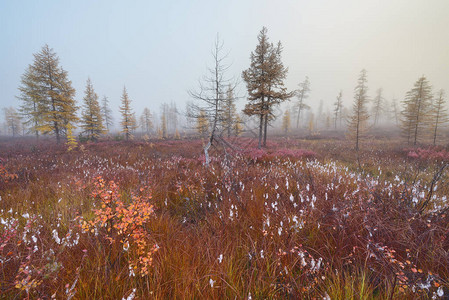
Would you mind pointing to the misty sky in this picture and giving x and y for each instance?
(159, 49)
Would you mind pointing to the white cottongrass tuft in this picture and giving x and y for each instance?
(131, 296)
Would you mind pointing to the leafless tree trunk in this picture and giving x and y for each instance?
(211, 95)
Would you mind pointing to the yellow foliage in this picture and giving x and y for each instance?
(71, 141)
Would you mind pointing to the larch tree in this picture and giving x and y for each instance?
(278, 92)
(71, 140)
(328, 119)
(134, 121)
(128, 119)
(358, 119)
(106, 113)
(265, 83)
(92, 120)
(286, 121)
(338, 109)
(48, 95)
(395, 111)
(302, 94)
(12, 120)
(172, 118)
(311, 123)
(164, 113)
(416, 110)
(319, 115)
(31, 108)
(145, 121)
(202, 124)
(237, 127)
(378, 106)
(439, 114)
(229, 111)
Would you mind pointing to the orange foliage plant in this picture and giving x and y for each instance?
(124, 223)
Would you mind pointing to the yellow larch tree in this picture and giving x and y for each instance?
(47, 95)
(128, 119)
(92, 120)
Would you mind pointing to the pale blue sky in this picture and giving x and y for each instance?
(159, 49)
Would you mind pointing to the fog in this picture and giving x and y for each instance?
(160, 49)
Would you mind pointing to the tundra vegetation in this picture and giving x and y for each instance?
(339, 206)
(297, 219)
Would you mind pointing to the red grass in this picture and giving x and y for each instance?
(275, 223)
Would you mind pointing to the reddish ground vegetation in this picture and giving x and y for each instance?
(300, 219)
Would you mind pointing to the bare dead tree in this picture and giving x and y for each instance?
(338, 107)
(302, 93)
(210, 96)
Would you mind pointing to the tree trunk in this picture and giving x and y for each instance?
(206, 154)
(417, 114)
(265, 130)
(260, 131)
(58, 139)
(262, 113)
(436, 127)
(299, 114)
